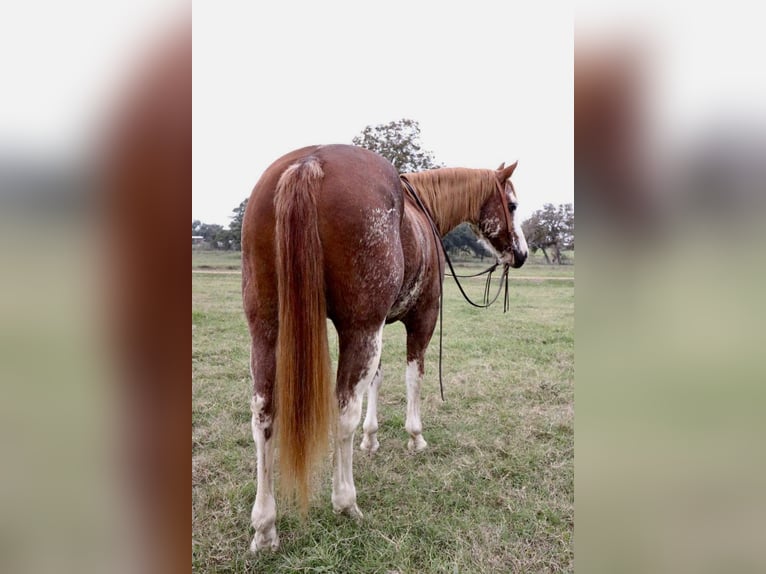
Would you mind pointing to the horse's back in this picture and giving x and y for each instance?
(359, 210)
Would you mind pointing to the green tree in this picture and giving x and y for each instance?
(235, 227)
(463, 240)
(550, 228)
(211, 233)
(399, 142)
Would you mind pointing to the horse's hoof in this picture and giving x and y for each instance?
(350, 511)
(353, 512)
(268, 540)
(417, 444)
(369, 446)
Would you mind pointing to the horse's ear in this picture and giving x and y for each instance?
(505, 172)
(502, 165)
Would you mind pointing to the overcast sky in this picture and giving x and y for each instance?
(489, 82)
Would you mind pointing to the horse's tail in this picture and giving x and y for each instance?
(304, 403)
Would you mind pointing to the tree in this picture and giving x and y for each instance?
(399, 142)
(219, 238)
(235, 227)
(462, 239)
(550, 228)
(211, 232)
(535, 234)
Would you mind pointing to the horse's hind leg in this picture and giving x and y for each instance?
(264, 512)
(370, 442)
(357, 365)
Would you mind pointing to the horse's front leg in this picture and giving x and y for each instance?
(370, 442)
(418, 335)
(413, 425)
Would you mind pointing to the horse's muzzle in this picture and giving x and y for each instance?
(519, 257)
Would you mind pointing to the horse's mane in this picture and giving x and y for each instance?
(453, 194)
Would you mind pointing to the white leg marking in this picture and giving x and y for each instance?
(343, 489)
(370, 442)
(264, 513)
(413, 425)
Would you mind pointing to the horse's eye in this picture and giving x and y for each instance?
(512, 207)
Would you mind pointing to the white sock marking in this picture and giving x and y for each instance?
(370, 426)
(343, 489)
(264, 514)
(413, 425)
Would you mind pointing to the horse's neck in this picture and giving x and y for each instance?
(449, 216)
(452, 196)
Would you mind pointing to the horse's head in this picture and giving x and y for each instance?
(499, 224)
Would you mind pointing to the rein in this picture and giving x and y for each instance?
(486, 300)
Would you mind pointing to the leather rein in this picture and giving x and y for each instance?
(487, 286)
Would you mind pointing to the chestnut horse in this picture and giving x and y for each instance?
(329, 233)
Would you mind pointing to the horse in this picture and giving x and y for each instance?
(329, 232)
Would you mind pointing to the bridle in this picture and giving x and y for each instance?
(437, 238)
(505, 208)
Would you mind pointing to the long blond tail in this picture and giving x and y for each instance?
(304, 402)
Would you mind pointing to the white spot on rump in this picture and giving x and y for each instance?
(378, 224)
(378, 243)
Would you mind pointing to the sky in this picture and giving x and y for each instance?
(65, 65)
(488, 82)
(698, 66)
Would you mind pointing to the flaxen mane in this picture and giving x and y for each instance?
(457, 191)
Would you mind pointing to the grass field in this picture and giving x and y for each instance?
(209, 259)
(206, 259)
(492, 493)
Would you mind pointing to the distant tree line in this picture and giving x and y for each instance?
(550, 229)
(215, 236)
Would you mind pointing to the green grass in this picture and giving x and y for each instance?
(211, 259)
(208, 259)
(492, 493)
